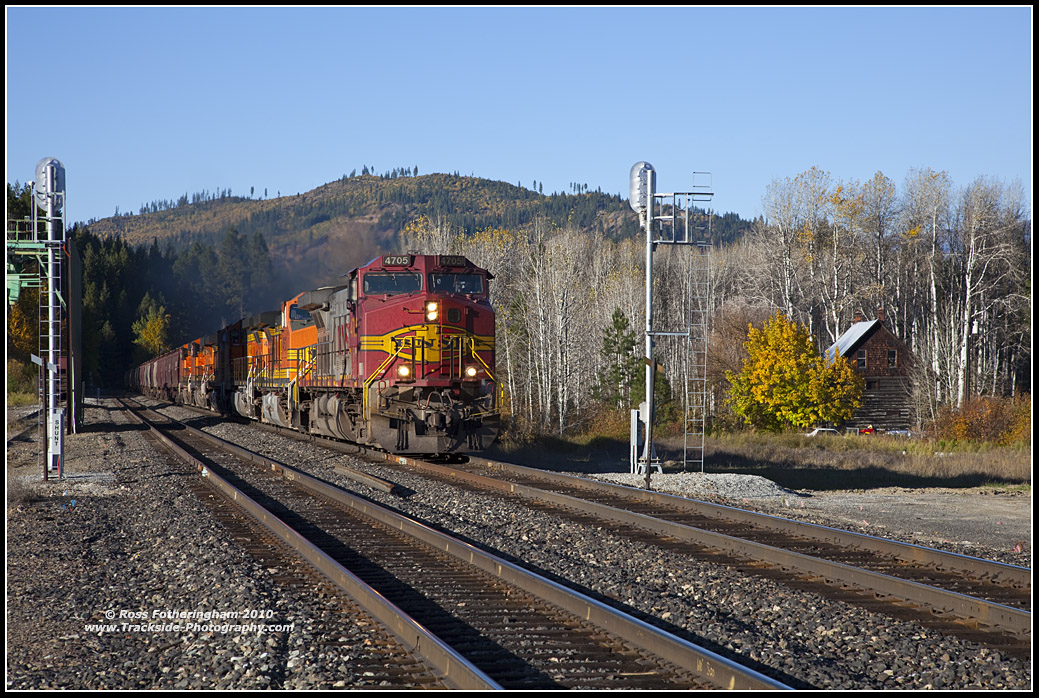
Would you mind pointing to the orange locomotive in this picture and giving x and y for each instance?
(401, 356)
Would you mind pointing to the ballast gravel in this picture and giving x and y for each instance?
(980, 522)
(797, 637)
(794, 636)
(119, 578)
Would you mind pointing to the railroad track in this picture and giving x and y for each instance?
(978, 600)
(23, 425)
(396, 658)
(514, 628)
(386, 663)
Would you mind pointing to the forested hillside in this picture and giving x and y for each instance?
(139, 301)
(320, 234)
(179, 268)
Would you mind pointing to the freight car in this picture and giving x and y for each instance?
(401, 356)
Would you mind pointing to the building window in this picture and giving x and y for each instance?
(892, 358)
(862, 358)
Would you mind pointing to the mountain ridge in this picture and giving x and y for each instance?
(346, 222)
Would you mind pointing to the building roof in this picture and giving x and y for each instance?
(847, 341)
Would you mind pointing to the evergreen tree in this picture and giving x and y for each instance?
(260, 273)
(233, 272)
(19, 201)
(622, 365)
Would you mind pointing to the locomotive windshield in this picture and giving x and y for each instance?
(392, 282)
(458, 283)
(299, 318)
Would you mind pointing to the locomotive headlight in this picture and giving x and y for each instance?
(404, 371)
(431, 311)
(470, 372)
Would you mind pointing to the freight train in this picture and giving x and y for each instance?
(400, 357)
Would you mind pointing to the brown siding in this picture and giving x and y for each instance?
(877, 347)
(886, 395)
(885, 406)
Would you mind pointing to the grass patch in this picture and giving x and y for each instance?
(795, 461)
(21, 384)
(1003, 487)
(589, 454)
(866, 462)
(21, 399)
(19, 492)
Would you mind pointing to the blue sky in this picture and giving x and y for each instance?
(152, 103)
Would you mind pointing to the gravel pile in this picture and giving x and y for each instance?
(727, 486)
(797, 637)
(123, 537)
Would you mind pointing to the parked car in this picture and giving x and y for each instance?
(823, 432)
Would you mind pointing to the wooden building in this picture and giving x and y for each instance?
(884, 362)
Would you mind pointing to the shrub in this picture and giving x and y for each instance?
(21, 378)
(604, 421)
(1003, 421)
(21, 383)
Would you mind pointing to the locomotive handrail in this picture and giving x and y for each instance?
(308, 366)
(472, 344)
(371, 379)
(258, 367)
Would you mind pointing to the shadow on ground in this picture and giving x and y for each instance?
(789, 468)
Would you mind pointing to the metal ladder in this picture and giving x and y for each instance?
(696, 398)
(685, 221)
(51, 332)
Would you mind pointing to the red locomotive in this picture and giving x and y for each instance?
(401, 356)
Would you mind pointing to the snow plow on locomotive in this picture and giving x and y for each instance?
(401, 357)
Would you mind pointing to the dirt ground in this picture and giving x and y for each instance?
(1001, 519)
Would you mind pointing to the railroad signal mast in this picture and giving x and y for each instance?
(682, 220)
(24, 240)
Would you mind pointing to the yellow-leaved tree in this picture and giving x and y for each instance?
(23, 325)
(151, 330)
(785, 382)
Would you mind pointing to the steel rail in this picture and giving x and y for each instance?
(34, 415)
(961, 606)
(715, 668)
(985, 569)
(447, 664)
(712, 667)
